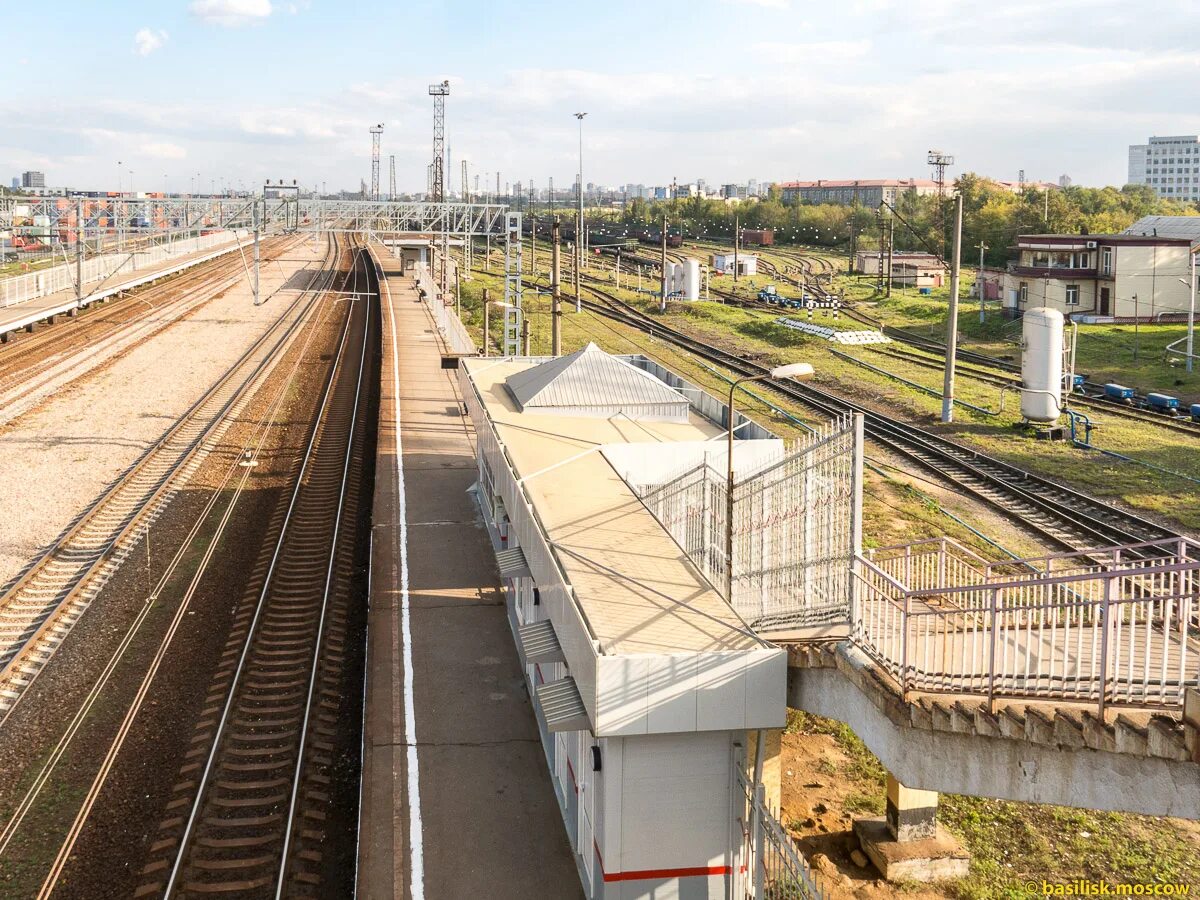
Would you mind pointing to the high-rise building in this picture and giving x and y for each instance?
(33, 180)
(1170, 165)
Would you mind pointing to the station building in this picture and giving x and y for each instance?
(1099, 277)
(649, 688)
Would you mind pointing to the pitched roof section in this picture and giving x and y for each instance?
(590, 382)
(1167, 226)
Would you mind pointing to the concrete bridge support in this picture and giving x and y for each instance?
(908, 844)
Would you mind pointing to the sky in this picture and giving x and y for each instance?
(236, 91)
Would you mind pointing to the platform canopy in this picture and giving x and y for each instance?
(590, 382)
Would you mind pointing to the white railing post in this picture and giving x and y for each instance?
(991, 696)
(758, 855)
(1105, 615)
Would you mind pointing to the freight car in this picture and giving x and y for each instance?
(759, 237)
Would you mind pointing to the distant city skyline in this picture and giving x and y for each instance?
(245, 90)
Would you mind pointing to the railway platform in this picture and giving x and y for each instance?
(27, 313)
(456, 799)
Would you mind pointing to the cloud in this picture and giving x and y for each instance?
(147, 40)
(231, 13)
(163, 150)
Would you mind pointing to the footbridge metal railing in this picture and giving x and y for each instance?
(1112, 627)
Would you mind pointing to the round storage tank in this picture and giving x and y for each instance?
(676, 277)
(1042, 364)
(691, 279)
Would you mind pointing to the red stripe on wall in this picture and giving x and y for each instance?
(647, 874)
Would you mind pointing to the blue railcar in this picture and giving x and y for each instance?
(1162, 402)
(1118, 392)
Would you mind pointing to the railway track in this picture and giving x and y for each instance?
(251, 820)
(31, 353)
(979, 373)
(39, 608)
(35, 371)
(1066, 518)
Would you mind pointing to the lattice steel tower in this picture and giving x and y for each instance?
(376, 132)
(392, 178)
(939, 161)
(439, 92)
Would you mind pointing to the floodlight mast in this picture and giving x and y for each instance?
(439, 92)
(376, 133)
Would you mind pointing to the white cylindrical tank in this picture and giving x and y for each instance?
(691, 279)
(676, 277)
(1042, 364)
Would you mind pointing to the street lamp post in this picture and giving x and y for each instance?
(1191, 303)
(579, 235)
(792, 370)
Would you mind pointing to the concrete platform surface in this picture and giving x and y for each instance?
(457, 800)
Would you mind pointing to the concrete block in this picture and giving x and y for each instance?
(962, 718)
(941, 715)
(1068, 729)
(1012, 723)
(1191, 722)
(986, 724)
(1164, 739)
(1039, 726)
(920, 714)
(1098, 734)
(933, 859)
(1131, 737)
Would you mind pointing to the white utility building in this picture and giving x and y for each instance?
(747, 263)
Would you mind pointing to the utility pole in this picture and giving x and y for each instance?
(853, 239)
(555, 294)
(952, 317)
(79, 250)
(533, 239)
(466, 193)
(879, 255)
(663, 302)
(392, 177)
(257, 229)
(891, 244)
(979, 278)
(737, 234)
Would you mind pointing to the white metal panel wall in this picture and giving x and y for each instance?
(674, 802)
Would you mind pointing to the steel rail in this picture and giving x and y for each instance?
(263, 427)
(30, 654)
(1068, 518)
(254, 631)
